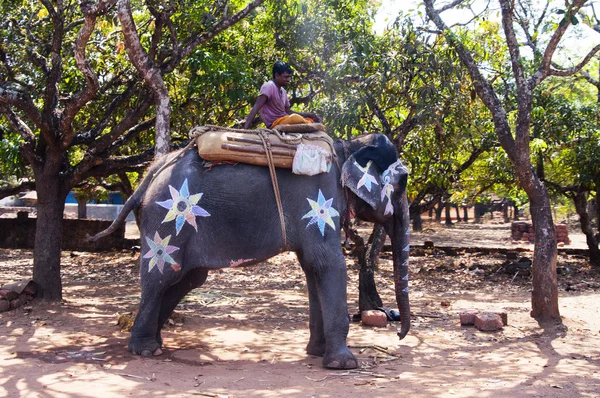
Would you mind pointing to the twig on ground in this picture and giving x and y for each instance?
(427, 315)
(133, 376)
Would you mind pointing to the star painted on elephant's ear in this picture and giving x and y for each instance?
(321, 213)
(183, 207)
(367, 179)
(160, 253)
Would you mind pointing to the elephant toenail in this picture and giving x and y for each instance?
(158, 352)
(146, 353)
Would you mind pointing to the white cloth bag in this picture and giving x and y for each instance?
(311, 160)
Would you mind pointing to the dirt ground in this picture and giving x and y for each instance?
(243, 334)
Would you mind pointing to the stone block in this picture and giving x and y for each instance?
(4, 305)
(374, 318)
(488, 322)
(16, 303)
(504, 317)
(467, 318)
(8, 294)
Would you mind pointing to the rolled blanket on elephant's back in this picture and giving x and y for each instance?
(248, 147)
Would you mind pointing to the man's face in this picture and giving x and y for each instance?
(283, 79)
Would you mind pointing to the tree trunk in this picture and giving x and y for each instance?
(465, 214)
(457, 213)
(368, 298)
(515, 212)
(505, 212)
(448, 216)
(544, 294)
(81, 209)
(48, 234)
(580, 202)
(477, 212)
(438, 212)
(597, 199)
(417, 225)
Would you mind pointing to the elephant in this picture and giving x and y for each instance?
(195, 219)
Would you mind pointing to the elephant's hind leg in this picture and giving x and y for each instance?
(143, 333)
(174, 294)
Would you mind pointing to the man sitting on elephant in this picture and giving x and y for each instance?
(273, 104)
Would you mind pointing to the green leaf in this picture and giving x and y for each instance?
(574, 20)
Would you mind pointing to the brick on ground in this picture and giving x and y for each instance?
(488, 321)
(373, 318)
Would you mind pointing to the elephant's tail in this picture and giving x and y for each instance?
(135, 200)
(132, 203)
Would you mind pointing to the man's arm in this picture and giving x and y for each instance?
(260, 101)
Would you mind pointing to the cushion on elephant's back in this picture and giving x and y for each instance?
(236, 146)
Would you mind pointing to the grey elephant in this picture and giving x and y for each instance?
(195, 219)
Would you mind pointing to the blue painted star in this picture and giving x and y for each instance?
(183, 207)
(321, 213)
(367, 179)
(160, 253)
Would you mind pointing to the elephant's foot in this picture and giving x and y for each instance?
(344, 359)
(316, 349)
(145, 347)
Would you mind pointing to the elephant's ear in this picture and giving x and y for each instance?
(372, 186)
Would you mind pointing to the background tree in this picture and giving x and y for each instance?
(522, 15)
(80, 110)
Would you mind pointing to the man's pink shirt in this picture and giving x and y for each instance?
(277, 103)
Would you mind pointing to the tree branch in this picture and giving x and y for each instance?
(576, 68)
(482, 86)
(22, 101)
(197, 39)
(544, 68)
(24, 131)
(75, 103)
(15, 189)
(151, 74)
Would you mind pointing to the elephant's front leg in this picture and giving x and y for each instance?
(330, 279)
(316, 342)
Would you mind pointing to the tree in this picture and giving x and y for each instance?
(79, 109)
(515, 136)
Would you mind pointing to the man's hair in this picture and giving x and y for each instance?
(281, 67)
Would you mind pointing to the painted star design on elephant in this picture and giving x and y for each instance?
(321, 213)
(183, 207)
(388, 189)
(367, 179)
(160, 253)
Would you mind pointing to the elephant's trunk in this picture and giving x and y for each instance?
(400, 248)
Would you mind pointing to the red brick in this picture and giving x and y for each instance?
(16, 303)
(467, 318)
(488, 322)
(374, 318)
(504, 317)
(8, 294)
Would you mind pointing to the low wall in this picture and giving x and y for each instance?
(522, 230)
(19, 233)
(99, 212)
